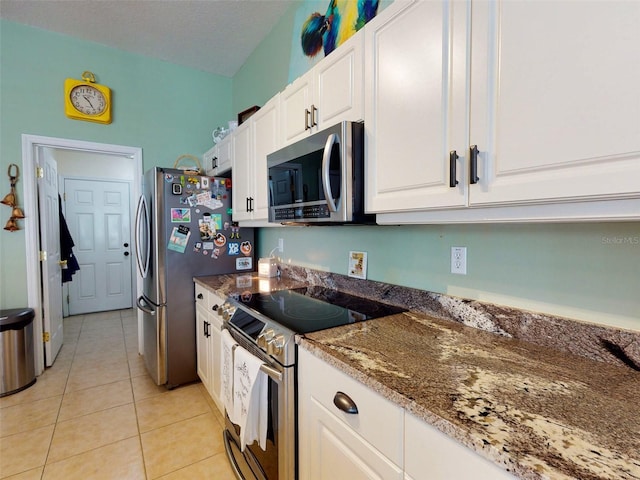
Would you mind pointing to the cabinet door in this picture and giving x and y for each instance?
(243, 180)
(266, 128)
(415, 111)
(430, 454)
(295, 105)
(335, 444)
(225, 154)
(210, 161)
(334, 451)
(203, 352)
(215, 348)
(339, 85)
(555, 101)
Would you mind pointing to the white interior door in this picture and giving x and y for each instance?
(98, 216)
(50, 265)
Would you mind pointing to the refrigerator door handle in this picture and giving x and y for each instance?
(142, 215)
(143, 304)
(147, 305)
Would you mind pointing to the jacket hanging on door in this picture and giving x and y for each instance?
(66, 248)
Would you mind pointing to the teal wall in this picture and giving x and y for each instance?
(587, 271)
(165, 109)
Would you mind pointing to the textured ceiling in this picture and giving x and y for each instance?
(215, 36)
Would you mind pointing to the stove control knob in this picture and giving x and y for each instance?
(227, 310)
(264, 339)
(276, 346)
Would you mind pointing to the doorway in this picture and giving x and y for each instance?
(95, 160)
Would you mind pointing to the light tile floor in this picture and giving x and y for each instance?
(96, 414)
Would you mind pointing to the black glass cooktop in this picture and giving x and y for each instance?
(313, 308)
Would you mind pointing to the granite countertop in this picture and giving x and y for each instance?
(538, 412)
(235, 284)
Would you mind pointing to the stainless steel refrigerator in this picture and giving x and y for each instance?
(183, 230)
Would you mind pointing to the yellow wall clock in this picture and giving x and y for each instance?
(87, 100)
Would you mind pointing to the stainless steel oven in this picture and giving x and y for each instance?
(278, 460)
(265, 324)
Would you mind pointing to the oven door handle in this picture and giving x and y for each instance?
(271, 372)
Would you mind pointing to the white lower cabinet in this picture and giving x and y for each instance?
(430, 454)
(334, 444)
(381, 441)
(208, 337)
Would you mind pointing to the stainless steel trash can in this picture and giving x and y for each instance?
(16, 350)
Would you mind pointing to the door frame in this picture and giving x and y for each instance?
(30, 145)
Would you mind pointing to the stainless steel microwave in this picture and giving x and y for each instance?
(319, 179)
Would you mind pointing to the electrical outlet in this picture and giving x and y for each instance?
(281, 245)
(459, 260)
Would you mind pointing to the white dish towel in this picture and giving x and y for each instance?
(250, 387)
(226, 371)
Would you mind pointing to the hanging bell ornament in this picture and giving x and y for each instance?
(12, 225)
(17, 213)
(10, 198)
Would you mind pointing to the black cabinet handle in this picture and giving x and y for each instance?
(215, 308)
(473, 164)
(214, 162)
(314, 122)
(307, 114)
(200, 296)
(247, 204)
(204, 329)
(453, 157)
(344, 403)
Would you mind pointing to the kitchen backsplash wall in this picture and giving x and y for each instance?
(604, 344)
(587, 272)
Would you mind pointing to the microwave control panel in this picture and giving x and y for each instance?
(307, 211)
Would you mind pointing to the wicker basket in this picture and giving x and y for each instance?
(190, 169)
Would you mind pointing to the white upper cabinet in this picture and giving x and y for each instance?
(555, 100)
(217, 160)
(332, 91)
(242, 181)
(547, 91)
(253, 141)
(415, 110)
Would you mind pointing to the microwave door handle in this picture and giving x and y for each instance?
(326, 158)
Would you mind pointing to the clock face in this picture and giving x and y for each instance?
(88, 100)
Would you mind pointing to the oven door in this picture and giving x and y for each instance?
(311, 180)
(278, 461)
